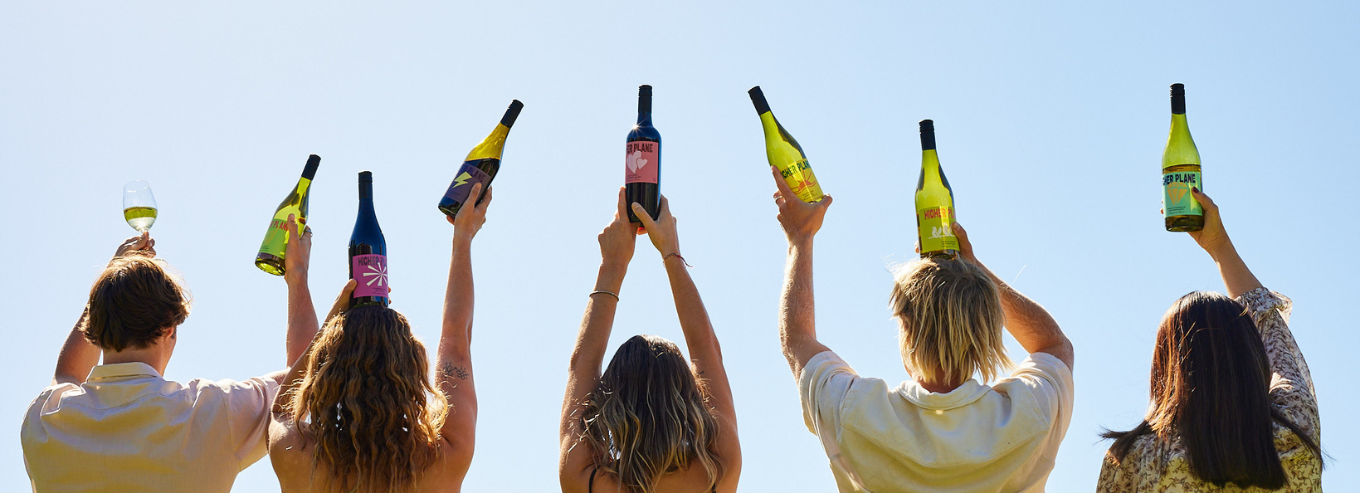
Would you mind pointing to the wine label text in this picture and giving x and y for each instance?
(936, 229)
(370, 271)
(642, 162)
(467, 175)
(1176, 197)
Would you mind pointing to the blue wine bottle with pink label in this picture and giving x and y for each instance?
(368, 251)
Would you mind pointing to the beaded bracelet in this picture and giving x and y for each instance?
(677, 255)
(611, 293)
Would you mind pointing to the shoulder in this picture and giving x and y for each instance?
(1043, 375)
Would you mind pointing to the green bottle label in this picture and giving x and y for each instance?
(1176, 197)
(276, 239)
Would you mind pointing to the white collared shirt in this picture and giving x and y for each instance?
(976, 438)
(127, 429)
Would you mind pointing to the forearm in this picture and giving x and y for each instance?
(1027, 321)
(1237, 278)
(302, 323)
(77, 355)
(797, 315)
(598, 321)
(458, 299)
(689, 306)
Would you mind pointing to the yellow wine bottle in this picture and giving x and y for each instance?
(270, 258)
(784, 152)
(934, 202)
(1181, 171)
(480, 165)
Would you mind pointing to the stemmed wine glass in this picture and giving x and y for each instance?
(139, 206)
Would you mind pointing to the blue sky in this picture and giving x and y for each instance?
(1050, 117)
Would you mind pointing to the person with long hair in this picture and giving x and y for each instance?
(652, 422)
(1233, 406)
(358, 413)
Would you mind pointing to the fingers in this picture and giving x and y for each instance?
(485, 202)
(449, 218)
(475, 193)
(665, 209)
(292, 225)
(623, 206)
(341, 301)
(965, 246)
(779, 181)
(1204, 200)
(648, 223)
(826, 201)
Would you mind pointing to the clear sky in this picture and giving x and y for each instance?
(1051, 118)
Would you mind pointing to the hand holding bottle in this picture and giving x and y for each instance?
(800, 220)
(618, 240)
(662, 230)
(467, 224)
(341, 302)
(1212, 238)
(298, 253)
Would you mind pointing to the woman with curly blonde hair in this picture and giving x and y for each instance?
(359, 412)
(652, 422)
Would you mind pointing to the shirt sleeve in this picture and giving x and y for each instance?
(248, 405)
(1291, 385)
(822, 387)
(1050, 381)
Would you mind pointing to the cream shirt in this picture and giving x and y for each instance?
(126, 429)
(976, 438)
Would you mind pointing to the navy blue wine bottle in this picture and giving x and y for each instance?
(368, 251)
(642, 161)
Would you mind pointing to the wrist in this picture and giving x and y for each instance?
(800, 243)
(295, 279)
(1222, 251)
(611, 277)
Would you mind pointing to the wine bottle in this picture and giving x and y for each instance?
(784, 152)
(368, 251)
(934, 202)
(642, 160)
(481, 164)
(1180, 171)
(270, 258)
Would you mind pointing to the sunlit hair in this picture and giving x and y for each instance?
(1211, 389)
(950, 318)
(134, 302)
(367, 404)
(649, 415)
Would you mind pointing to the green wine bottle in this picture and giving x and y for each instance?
(934, 202)
(784, 152)
(1181, 171)
(270, 258)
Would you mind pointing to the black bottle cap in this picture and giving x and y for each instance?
(758, 98)
(1178, 98)
(927, 135)
(644, 98)
(313, 162)
(512, 113)
(365, 185)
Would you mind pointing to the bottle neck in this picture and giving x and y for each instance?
(770, 125)
(365, 198)
(644, 117)
(930, 164)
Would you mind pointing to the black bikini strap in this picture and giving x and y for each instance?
(591, 485)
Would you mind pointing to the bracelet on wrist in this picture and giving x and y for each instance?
(611, 293)
(676, 255)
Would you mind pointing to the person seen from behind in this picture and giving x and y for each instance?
(942, 429)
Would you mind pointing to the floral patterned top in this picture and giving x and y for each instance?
(1155, 466)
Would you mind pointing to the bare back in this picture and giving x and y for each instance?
(291, 455)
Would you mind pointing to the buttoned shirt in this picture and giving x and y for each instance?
(975, 438)
(126, 429)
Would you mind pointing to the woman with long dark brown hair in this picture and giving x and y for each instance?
(1233, 406)
(359, 413)
(653, 422)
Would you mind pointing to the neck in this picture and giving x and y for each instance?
(151, 355)
(938, 388)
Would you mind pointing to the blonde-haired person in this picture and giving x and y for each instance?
(941, 430)
(120, 426)
(652, 422)
(1233, 405)
(358, 412)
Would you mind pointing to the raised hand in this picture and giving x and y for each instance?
(1213, 238)
(618, 239)
(661, 230)
(342, 301)
(799, 219)
(141, 244)
(297, 255)
(471, 219)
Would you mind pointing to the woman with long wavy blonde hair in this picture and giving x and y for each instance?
(653, 422)
(358, 411)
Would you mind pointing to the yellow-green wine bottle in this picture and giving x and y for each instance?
(270, 258)
(934, 202)
(784, 152)
(480, 165)
(1181, 171)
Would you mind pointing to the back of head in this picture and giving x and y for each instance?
(366, 403)
(649, 415)
(951, 321)
(1210, 386)
(133, 303)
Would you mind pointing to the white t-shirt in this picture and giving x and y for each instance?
(976, 438)
(127, 429)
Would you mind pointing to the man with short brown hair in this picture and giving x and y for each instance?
(119, 426)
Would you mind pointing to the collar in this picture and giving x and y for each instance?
(965, 394)
(120, 370)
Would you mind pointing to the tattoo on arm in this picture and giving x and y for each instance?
(450, 372)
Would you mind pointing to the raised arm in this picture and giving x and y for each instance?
(616, 250)
(704, 350)
(302, 325)
(1237, 278)
(455, 342)
(292, 378)
(78, 355)
(1029, 323)
(797, 318)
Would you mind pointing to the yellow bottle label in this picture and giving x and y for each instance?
(800, 179)
(936, 230)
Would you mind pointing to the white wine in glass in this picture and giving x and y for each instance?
(139, 206)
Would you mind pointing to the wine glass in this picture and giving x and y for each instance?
(139, 206)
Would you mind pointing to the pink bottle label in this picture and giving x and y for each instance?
(467, 176)
(371, 273)
(642, 162)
